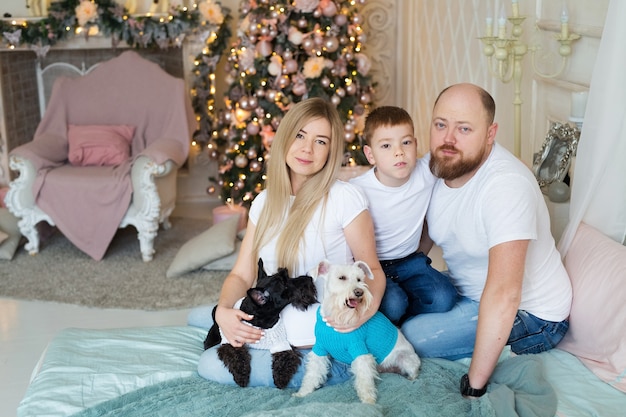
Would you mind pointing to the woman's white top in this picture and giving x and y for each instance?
(323, 239)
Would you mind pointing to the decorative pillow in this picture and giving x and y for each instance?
(597, 268)
(216, 242)
(3, 236)
(226, 263)
(99, 144)
(8, 225)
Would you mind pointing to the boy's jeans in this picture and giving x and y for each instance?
(415, 287)
(451, 335)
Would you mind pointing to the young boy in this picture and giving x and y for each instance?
(398, 188)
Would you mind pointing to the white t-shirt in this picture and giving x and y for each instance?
(500, 203)
(323, 239)
(398, 212)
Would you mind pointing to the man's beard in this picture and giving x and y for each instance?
(451, 168)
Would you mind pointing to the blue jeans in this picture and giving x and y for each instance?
(211, 368)
(415, 287)
(451, 335)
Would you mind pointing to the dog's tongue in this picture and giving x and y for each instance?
(353, 302)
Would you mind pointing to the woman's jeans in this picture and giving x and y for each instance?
(211, 367)
(451, 335)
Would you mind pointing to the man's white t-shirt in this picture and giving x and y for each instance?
(500, 203)
(398, 212)
(323, 239)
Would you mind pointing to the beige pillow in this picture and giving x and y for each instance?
(226, 263)
(8, 226)
(216, 242)
(3, 236)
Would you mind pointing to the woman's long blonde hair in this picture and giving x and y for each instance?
(278, 184)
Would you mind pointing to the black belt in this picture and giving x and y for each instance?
(390, 262)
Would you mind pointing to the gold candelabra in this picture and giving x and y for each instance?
(509, 51)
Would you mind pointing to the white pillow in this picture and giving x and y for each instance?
(8, 225)
(597, 268)
(216, 242)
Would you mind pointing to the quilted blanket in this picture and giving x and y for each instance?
(518, 388)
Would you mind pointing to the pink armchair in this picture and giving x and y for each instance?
(104, 156)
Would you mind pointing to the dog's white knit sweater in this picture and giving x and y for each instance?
(274, 339)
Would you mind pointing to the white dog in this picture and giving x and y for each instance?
(375, 346)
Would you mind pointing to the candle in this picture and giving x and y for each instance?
(489, 21)
(502, 23)
(579, 103)
(221, 213)
(515, 6)
(564, 22)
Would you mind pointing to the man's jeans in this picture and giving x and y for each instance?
(451, 335)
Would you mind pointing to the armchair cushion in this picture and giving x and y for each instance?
(99, 144)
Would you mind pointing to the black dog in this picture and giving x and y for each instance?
(265, 302)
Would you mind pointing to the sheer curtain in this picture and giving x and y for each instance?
(599, 186)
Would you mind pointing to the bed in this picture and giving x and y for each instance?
(152, 370)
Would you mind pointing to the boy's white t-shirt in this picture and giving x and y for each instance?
(501, 203)
(398, 212)
(324, 239)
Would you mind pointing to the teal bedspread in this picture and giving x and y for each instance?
(518, 388)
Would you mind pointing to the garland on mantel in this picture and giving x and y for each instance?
(70, 18)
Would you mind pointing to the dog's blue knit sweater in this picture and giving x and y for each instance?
(377, 336)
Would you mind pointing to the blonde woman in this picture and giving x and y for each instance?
(304, 215)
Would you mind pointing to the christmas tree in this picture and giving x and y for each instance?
(287, 51)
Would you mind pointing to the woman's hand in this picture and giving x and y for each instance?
(238, 333)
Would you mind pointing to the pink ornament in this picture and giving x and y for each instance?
(253, 128)
(283, 82)
(264, 48)
(331, 44)
(251, 154)
(330, 9)
(299, 89)
(291, 66)
(255, 166)
(341, 19)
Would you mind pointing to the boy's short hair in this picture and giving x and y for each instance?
(385, 116)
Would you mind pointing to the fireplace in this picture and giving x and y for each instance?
(19, 98)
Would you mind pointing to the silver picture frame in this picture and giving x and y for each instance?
(553, 160)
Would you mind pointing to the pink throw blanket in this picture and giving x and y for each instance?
(88, 203)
